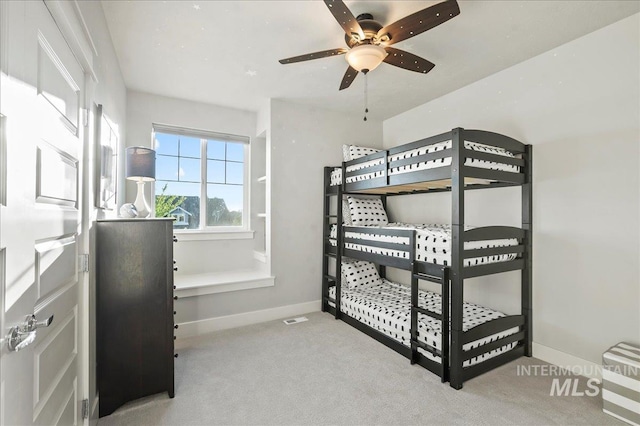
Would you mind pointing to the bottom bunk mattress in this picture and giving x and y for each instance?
(386, 307)
(433, 244)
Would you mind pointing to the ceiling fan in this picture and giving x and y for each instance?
(369, 42)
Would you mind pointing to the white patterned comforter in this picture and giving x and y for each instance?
(433, 244)
(386, 307)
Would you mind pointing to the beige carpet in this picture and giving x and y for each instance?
(325, 372)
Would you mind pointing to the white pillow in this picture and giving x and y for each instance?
(357, 273)
(346, 156)
(360, 151)
(367, 211)
(352, 152)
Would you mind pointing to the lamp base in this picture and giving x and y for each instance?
(141, 203)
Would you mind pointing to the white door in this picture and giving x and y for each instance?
(40, 220)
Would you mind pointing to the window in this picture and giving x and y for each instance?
(194, 165)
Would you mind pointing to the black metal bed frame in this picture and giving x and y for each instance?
(451, 277)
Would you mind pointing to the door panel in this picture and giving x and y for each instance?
(55, 358)
(68, 416)
(55, 84)
(40, 221)
(55, 263)
(52, 354)
(57, 174)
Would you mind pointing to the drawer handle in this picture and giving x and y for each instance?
(175, 326)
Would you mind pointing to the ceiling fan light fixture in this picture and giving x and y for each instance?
(366, 57)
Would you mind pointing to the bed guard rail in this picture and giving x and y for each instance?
(403, 243)
(378, 181)
(489, 233)
(497, 140)
(489, 329)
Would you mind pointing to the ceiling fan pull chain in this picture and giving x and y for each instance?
(366, 92)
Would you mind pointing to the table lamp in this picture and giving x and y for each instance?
(141, 168)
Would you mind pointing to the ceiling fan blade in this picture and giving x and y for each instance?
(418, 22)
(348, 78)
(407, 60)
(345, 18)
(315, 55)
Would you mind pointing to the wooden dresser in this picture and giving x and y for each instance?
(134, 304)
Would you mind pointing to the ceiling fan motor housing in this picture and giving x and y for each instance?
(370, 28)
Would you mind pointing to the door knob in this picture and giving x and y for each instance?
(23, 335)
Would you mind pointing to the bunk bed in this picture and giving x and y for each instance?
(407, 319)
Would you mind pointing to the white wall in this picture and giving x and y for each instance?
(578, 105)
(143, 110)
(302, 141)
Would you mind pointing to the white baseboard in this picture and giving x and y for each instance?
(570, 362)
(194, 328)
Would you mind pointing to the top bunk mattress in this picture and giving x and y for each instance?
(336, 174)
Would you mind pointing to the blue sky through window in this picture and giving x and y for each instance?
(178, 162)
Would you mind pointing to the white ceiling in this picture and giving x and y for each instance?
(226, 52)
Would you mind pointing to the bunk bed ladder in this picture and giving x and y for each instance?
(339, 241)
(443, 318)
(457, 249)
(339, 245)
(327, 278)
(382, 269)
(527, 225)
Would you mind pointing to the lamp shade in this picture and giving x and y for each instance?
(366, 57)
(141, 164)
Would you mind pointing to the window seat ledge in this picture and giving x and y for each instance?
(210, 235)
(193, 285)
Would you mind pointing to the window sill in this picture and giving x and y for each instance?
(211, 235)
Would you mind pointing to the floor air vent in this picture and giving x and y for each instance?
(295, 320)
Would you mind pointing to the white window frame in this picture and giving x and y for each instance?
(213, 232)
